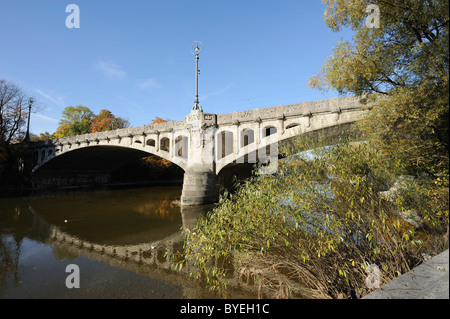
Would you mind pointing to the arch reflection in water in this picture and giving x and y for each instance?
(127, 229)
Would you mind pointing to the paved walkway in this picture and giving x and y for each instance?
(429, 280)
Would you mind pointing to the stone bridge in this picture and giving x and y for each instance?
(204, 144)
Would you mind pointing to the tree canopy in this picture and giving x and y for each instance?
(75, 121)
(81, 120)
(13, 111)
(403, 66)
(106, 121)
(157, 120)
(13, 116)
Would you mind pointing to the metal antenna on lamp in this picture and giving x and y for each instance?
(196, 49)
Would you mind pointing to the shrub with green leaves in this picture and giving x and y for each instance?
(311, 230)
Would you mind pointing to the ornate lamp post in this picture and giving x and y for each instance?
(196, 49)
(30, 103)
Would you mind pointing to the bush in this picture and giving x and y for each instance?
(313, 229)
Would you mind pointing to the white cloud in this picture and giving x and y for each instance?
(53, 97)
(110, 69)
(219, 91)
(149, 84)
(46, 118)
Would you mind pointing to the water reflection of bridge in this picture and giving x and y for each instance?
(140, 250)
(147, 259)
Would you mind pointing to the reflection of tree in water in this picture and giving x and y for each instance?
(9, 257)
(157, 209)
(61, 253)
(10, 245)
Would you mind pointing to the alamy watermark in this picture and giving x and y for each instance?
(373, 278)
(373, 19)
(73, 19)
(73, 280)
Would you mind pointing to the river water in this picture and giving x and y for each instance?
(117, 238)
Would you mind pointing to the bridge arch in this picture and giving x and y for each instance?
(269, 146)
(292, 125)
(93, 164)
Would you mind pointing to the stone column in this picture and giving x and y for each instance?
(200, 186)
(200, 183)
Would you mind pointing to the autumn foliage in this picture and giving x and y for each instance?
(106, 121)
(81, 120)
(158, 120)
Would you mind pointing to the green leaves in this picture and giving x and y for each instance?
(309, 222)
(75, 121)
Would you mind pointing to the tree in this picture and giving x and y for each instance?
(158, 120)
(13, 116)
(81, 120)
(13, 111)
(62, 131)
(42, 137)
(404, 67)
(75, 121)
(106, 121)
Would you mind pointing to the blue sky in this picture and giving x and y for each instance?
(134, 57)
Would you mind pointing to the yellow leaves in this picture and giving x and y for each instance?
(62, 131)
(305, 258)
(405, 236)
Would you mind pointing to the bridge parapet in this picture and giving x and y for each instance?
(124, 132)
(333, 105)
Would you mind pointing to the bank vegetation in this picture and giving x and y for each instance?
(337, 221)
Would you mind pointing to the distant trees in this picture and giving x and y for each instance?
(158, 120)
(45, 136)
(106, 121)
(13, 111)
(81, 120)
(13, 116)
(75, 121)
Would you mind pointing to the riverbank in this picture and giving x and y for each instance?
(429, 280)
